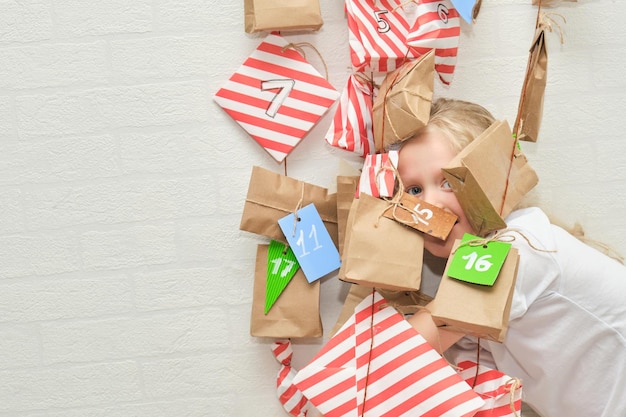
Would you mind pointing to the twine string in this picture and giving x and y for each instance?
(296, 218)
(271, 206)
(369, 354)
(298, 47)
(511, 386)
(547, 21)
(502, 236)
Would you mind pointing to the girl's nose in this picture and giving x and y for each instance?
(431, 197)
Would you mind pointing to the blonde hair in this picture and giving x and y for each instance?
(460, 121)
(463, 121)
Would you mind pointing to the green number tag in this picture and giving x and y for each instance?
(282, 265)
(476, 263)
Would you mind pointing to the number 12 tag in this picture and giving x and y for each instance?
(311, 243)
(478, 264)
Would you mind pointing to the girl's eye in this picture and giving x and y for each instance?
(415, 190)
(446, 185)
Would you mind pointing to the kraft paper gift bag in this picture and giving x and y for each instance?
(378, 176)
(276, 96)
(551, 3)
(272, 196)
(295, 313)
(378, 365)
(377, 33)
(351, 128)
(402, 105)
(530, 108)
(270, 15)
(346, 189)
(405, 302)
(474, 309)
(438, 28)
(490, 177)
(378, 251)
(502, 394)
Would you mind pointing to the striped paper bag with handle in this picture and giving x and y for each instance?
(378, 365)
(276, 96)
(377, 32)
(289, 396)
(438, 27)
(501, 393)
(351, 128)
(378, 176)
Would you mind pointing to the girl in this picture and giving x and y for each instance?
(567, 329)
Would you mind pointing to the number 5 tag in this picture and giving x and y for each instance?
(478, 264)
(311, 243)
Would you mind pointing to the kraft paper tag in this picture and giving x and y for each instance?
(422, 216)
(311, 242)
(282, 265)
(480, 262)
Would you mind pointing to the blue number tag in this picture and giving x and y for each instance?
(311, 243)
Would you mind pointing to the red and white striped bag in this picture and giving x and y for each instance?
(276, 96)
(378, 176)
(501, 393)
(438, 27)
(377, 365)
(377, 33)
(289, 396)
(351, 128)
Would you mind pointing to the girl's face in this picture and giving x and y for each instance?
(420, 162)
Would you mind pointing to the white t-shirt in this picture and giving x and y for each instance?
(567, 329)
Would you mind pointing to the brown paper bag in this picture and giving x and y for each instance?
(406, 302)
(477, 310)
(551, 3)
(490, 177)
(380, 252)
(272, 196)
(356, 294)
(530, 109)
(346, 189)
(403, 103)
(295, 313)
(269, 15)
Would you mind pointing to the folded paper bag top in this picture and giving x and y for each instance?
(490, 176)
(402, 105)
(271, 196)
(283, 15)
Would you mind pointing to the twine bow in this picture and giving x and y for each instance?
(298, 47)
(503, 235)
(511, 386)
(546, 21)
(296, 219)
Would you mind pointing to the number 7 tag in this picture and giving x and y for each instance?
(311, 243)
(478, 263)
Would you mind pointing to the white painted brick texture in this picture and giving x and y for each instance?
(125, 282)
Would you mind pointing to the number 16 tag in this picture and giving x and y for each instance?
(311, 243)
(478, 263)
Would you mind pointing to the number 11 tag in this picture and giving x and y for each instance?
(311, 243)
(478, 264)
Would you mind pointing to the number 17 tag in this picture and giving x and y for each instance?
(311, 243)
(478, 263)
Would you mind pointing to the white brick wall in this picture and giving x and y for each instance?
(125, 283)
